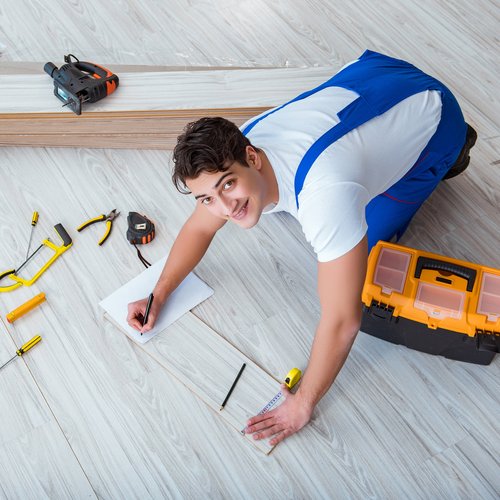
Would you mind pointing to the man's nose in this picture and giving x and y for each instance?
(228, 205)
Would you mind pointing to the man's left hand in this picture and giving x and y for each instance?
(282, 422)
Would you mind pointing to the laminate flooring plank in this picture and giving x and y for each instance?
(178, 33)
(207, 365)
(122, 130)
(100, 141)
(174, 90)
(118, 122)
(40, 464)
(36, 67)
(470, 470)
(36, 460)
(22, 408)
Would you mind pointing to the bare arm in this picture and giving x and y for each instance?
(189, 247)
(340, 283)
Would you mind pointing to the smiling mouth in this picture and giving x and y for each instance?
(242, 212)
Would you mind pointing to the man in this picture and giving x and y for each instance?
(352, 160)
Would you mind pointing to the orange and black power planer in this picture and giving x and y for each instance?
(432, 303)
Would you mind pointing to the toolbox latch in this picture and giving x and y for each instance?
(381, 310)
(487, 341)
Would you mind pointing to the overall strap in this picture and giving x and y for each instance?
(381, 82)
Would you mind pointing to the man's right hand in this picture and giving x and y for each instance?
(136, 312)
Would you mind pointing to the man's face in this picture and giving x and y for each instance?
(238, 194)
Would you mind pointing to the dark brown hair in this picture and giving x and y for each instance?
(207, 145)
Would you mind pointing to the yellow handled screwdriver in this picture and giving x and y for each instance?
(34, 220)
(24, 348)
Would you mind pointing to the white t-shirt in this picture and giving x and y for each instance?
(352, 171)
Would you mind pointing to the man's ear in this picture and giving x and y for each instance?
(253, 157)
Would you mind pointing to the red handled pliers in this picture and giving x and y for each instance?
(101, 218)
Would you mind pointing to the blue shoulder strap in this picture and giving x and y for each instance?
(380, 81)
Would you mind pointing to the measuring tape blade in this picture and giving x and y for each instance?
(292, 377)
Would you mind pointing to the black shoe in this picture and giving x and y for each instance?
(463, 158)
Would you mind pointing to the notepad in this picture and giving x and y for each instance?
(191, 292)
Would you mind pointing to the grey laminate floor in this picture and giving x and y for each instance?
(89, 414)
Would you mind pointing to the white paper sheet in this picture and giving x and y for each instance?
(187, 295)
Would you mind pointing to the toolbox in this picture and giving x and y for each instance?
(432, 303)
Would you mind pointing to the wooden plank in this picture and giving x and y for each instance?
(118, 129)
(36, 67)
(36, 460)
(207, 364)
(175, 90)
(146, 106)
(41, 464)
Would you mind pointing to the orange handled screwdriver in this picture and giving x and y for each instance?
(26, 307)
(24, 348)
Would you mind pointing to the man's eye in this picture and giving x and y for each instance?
(206, 201)
(228, 184)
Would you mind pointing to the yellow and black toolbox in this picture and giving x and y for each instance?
(432, 303)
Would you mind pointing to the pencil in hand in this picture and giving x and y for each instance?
(148, 308)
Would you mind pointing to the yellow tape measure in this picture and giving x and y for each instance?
(292, 377)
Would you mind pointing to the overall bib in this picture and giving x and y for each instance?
(382, 82)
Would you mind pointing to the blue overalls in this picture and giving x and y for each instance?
(382, 82)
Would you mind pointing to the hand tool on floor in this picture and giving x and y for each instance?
(140, 231)
(101, 218)
(34, 220)
(24, 348)
(12, 274)
(77, 82)
(292, 377)
(25, 308)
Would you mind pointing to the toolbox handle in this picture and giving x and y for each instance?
(441, 265)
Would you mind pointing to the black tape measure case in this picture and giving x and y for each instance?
(140, 229)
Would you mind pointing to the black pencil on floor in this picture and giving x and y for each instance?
(233, 386)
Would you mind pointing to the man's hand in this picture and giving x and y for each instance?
(136, 312)
(282, 422)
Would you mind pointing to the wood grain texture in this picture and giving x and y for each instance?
(207, 364)
(396, 424)
(35, 457)
(151, 108)
(119, 129)
(170, 90)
